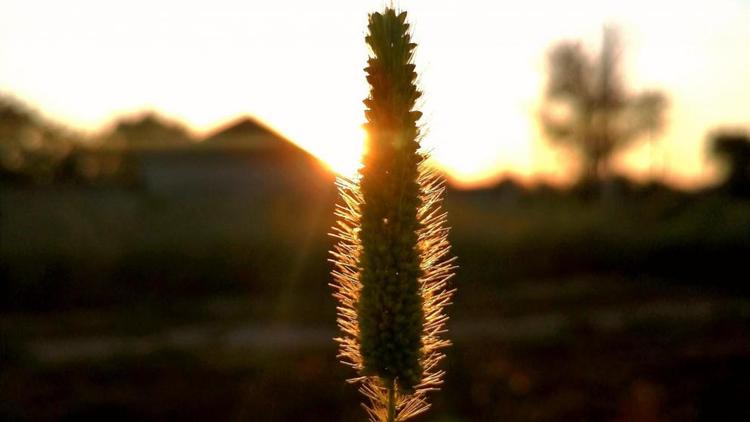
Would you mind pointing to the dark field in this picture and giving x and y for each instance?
(123, 305)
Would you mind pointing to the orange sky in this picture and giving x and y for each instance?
(298, 66)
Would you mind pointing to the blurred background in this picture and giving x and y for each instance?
(167, 188)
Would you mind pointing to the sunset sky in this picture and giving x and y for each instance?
(297, 65)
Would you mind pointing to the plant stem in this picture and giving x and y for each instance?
(391, 400)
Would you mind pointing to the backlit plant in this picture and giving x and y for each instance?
(391, 260)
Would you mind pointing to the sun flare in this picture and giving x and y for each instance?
(343, 151)
(203, 64)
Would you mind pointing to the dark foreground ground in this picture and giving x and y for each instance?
(118, 306)
(649, 355)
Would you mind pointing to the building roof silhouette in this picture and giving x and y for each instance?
(248, 135)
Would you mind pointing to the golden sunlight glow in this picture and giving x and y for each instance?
(344, 156)
(297, 65)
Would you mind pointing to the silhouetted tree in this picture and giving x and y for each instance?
(587, 107)
(734, 149)
(30, 147)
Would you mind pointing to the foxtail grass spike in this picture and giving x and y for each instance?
(391, 262)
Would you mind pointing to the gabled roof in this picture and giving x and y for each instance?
(247, 134)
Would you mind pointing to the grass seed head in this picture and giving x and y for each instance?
(391, 261)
